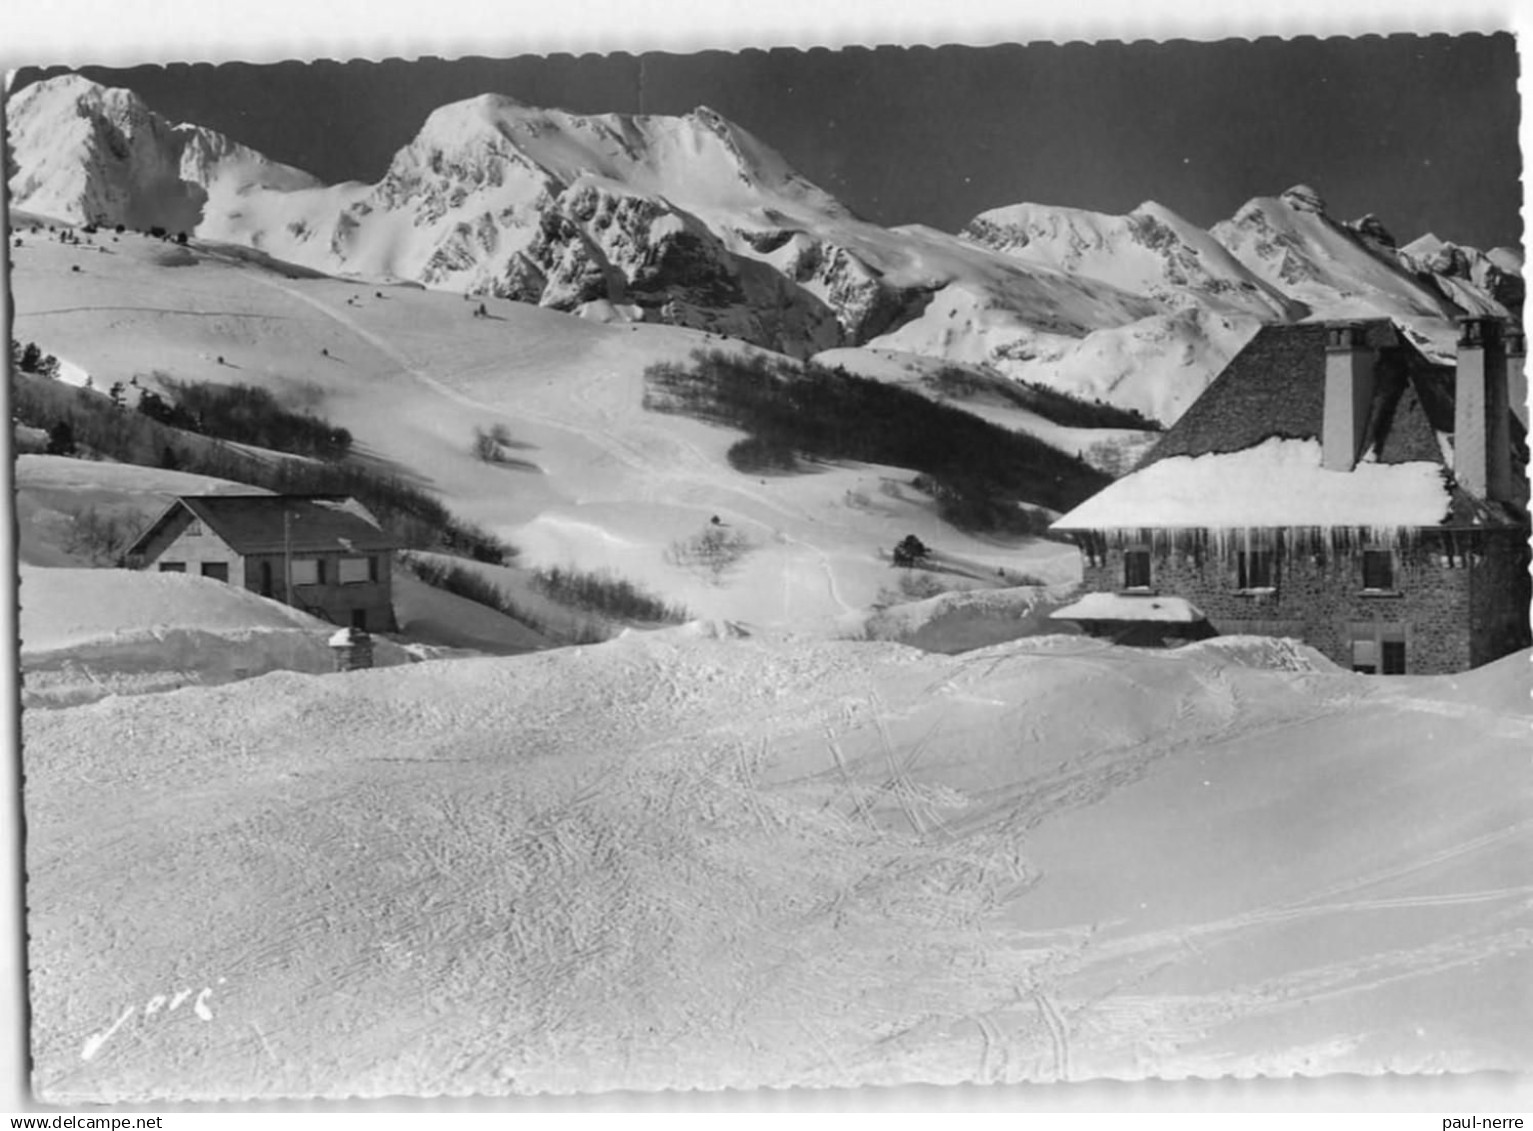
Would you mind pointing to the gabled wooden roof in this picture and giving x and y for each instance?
(256, 524)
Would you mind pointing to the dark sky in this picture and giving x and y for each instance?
(1421, 131)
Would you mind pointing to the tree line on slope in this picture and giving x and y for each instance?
(245, 414)
(977, 472)
(600, 593)
(1054, 405)
(80, 421)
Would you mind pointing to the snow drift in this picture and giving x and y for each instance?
(691, 859)
(88, 633)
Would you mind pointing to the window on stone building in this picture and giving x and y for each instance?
(1378, 570)
(1255, 562)
(172, 567)
(1136, 568)
(218, 571)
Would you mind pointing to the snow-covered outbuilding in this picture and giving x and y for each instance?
(1335, 485)
(324, 554)
(1137, 619)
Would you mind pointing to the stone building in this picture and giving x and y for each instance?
(323, 554)
(1335, 485)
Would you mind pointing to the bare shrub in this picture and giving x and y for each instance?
(102, 539)
(606, 594)
(712, 550)
(490, 443)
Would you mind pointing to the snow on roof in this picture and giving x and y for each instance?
(1130, 607)
(1276, 483)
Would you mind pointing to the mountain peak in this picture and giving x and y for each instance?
(75, 96)
(84, 151)
(1302, 198)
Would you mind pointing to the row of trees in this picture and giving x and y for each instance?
(792, 412)
(84, 422)
(1052, 404)
(245, 414)
(30, 358)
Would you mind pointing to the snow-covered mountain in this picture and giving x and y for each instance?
(692, 221)
(83, 152)
(1151, 251)
(1467, 275)
(1342, 270)
(1205, 303)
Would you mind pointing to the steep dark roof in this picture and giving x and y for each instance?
(1275, 387)
(254, 524)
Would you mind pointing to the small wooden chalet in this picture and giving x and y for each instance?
(324, 554)
(1335, 485)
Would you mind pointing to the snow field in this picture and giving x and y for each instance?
(592, 479)
(685, 859)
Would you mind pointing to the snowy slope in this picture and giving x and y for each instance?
(681, 861)
(53, 493)
(1157, 364)
(596, 481)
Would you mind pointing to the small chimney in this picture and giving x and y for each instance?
(353, 649)
(1516, 378)
(1482, 439)
(1348, 394)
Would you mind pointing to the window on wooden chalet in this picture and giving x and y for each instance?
(308, 571)
(1379, 571)
(354, 571)
(1136, 568)
(1256, 562)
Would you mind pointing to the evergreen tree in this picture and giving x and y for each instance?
(910, 551)
(61, 439)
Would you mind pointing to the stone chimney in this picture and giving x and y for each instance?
(353, 649)
(1482, 439)
(1348, 394)
(1516, 378)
